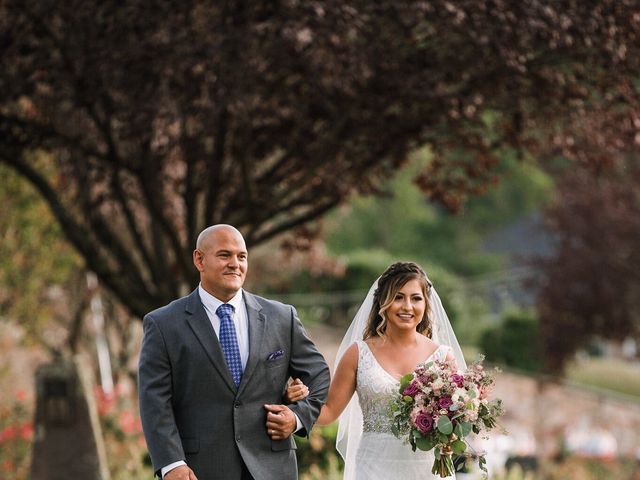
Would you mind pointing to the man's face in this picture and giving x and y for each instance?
(222, 262)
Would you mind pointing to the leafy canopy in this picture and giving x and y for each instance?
(160, 118)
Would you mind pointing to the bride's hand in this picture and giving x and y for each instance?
(296, 391)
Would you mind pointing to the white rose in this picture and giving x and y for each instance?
(437, 384)
(459, 395)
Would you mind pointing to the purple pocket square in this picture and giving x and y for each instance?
(275, 355)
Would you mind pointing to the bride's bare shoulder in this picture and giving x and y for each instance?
(350, 357)
(429, 345)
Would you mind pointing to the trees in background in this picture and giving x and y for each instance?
(515, 342)
(591, 285)
(403, 225)
(44, 285)
(152, 121)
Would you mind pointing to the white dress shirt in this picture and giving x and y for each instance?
(240, 321)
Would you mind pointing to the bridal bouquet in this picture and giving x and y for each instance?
(438, 406)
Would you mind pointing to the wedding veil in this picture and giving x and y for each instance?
(350, 421)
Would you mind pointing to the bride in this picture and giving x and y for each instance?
(400, 324)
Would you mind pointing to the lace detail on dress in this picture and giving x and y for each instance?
(376, 388)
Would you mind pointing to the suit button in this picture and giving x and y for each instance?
(237, 404)
(238, 438)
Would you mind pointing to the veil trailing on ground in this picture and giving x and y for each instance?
(350, 421)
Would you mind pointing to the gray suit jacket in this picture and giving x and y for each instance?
(190, 407)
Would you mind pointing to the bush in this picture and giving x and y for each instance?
(16, 435)
(122, 432)
(515, 343)
(317, 456)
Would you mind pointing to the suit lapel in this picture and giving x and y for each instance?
(257, 324)
(201, 325)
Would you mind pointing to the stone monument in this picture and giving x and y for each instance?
(67, 435)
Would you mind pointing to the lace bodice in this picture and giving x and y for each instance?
(376, 388)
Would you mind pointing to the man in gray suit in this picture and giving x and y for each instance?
(213, 370)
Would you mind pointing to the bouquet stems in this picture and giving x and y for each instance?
(443, 464)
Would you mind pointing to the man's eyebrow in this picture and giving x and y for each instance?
(241, 252)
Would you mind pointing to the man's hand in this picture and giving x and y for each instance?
(180, 473)
(281, 422)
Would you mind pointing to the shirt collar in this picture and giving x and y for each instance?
(211, 303)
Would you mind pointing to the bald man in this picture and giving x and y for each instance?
(213, 370)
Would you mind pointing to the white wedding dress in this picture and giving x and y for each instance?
(380, 455)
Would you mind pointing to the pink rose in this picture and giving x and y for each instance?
(457, 379)
(424, 423)
(411, 389)
(445, 402)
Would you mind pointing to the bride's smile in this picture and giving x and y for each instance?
(408, 306)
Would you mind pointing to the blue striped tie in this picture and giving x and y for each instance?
(229, 341)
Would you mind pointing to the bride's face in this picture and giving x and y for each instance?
(408, 306)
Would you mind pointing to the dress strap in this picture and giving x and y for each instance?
(441, 352)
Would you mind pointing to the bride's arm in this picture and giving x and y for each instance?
(340, 392)
(342, 387)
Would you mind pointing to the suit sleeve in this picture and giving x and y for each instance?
(154, 391)
(307, 364)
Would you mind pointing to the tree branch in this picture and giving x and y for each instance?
(291, 223)
(136, 234)
(215, 169)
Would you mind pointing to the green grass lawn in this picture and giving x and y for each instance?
(607, 373)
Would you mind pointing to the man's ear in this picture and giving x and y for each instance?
(197, 259)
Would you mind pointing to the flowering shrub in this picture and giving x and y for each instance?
(122, 430)
(438, 406)
(16, 434)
